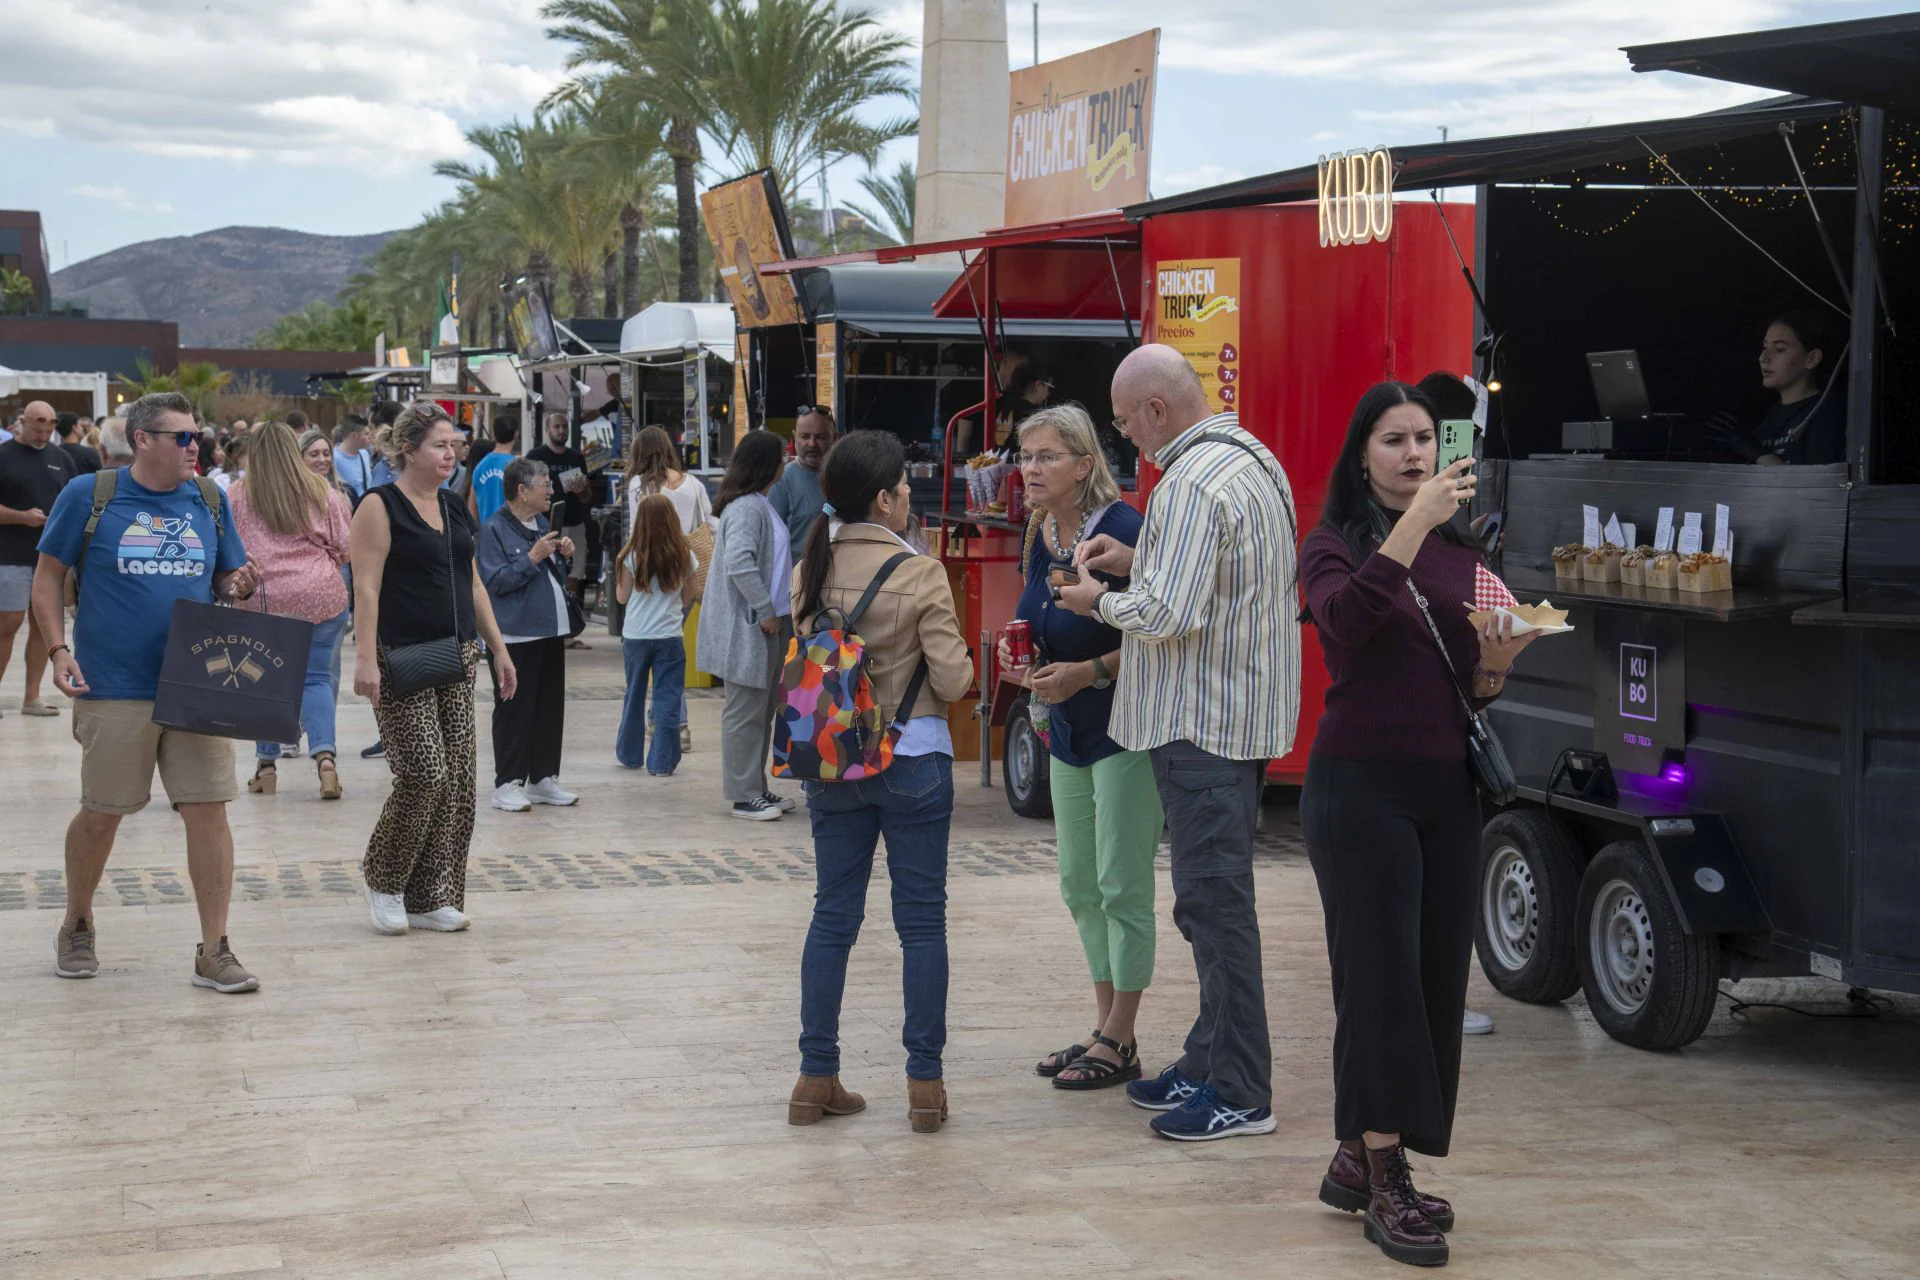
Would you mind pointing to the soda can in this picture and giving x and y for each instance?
(1020, 642)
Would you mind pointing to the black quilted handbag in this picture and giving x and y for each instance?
(409, 668)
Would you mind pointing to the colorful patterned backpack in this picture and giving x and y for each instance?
(827, 725)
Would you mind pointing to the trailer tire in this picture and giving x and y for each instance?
(1649, 983)
(1024, 765)
(1525, 921)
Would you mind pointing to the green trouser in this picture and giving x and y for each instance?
(1107, 821)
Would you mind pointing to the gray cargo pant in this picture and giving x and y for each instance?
(1212, 804)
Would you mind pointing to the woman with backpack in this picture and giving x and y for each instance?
(917, 663)
(654, 586)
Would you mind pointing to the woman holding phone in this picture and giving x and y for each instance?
(1106, 808)
(523, 562)
(1391, 817)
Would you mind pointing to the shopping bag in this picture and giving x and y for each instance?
(232, 673)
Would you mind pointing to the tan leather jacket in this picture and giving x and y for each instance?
(912, 615)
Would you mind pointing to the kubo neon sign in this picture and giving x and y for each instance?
(1356, 197)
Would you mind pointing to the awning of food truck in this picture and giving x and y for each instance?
(665, 328)
(905, 300)
(1875, 61)
(1519, 157)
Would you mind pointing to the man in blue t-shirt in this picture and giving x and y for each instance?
(488, 494)
(157, 541)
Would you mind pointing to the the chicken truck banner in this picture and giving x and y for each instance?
(1079, 132)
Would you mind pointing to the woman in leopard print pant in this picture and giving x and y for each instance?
(415, 581)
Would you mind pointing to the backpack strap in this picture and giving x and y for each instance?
(873, 588)
(105, 481)
(211, 495)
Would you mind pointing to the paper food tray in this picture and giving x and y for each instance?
(1520, 625)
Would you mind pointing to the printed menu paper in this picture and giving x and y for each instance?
(1722, 534)
(1590, 526)
(1690, 535)
(1663, 537)
(1615, 538)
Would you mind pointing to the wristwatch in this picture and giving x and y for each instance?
(1102, 678)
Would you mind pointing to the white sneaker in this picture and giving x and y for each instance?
(548, 791)
(1476, 1024)
(289, 751)
(389, 912)
(440, 920)
(511, 797)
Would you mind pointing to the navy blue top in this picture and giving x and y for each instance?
(1078, 726)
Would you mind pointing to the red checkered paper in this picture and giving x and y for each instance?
(1489, 592)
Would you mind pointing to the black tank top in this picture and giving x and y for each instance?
(417, 601)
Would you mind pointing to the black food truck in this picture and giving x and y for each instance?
(1720, 765)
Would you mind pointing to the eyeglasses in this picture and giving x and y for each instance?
(1045, 458)
(185, 439)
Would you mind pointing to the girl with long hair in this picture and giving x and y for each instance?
(653, 466)
(918, 663)
(295, 526)
(1391, 818)
(744, 621)
(655, 586)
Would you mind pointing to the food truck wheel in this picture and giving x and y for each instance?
(1648, 982)
(1023, 765)
(1524, 930)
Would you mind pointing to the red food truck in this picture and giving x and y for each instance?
(1288, 312)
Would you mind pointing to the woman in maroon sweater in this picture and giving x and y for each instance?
(1391, 817)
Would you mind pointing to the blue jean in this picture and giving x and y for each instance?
(911, 803)
(317, 697)
(665, 661)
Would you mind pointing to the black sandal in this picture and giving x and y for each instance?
(1060, 1059)
(1104, 1074)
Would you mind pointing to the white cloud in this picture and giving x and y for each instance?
(119, 198)
(382, 86)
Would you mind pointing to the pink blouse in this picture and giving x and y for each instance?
(300, 572)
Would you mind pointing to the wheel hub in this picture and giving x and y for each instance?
(1511, 904)
(1621, 940)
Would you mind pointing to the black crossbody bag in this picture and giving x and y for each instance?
(430, 663)
(1486, 755)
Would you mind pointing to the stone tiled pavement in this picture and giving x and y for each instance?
(589, 1083)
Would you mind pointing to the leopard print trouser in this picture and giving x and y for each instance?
(419, 846)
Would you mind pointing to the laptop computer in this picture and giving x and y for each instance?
(1618, 385)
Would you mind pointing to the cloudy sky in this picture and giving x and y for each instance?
(125, 120)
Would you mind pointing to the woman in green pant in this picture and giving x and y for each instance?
(1106, 808)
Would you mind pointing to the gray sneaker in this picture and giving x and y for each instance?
(73, 955)
(221, 972)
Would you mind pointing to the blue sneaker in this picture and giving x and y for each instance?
(1164, 1092)
(1203, 1117)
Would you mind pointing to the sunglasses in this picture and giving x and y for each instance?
(802, 410)
(185, 439)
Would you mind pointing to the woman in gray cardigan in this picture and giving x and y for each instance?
(744, 623)
(524, 564)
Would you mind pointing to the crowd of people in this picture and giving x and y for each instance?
(1166, 675)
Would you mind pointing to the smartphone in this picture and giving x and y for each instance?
(1456, 442)
(1490, 531)
(554, 512)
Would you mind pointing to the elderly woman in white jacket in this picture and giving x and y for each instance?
(744, 623)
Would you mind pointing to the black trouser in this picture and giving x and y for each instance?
(1396, 849)
(527, 727)
(1212, 805)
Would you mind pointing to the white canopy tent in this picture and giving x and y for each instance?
(22, 382)
(665, 328)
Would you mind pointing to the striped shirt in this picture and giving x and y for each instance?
(1210, 640)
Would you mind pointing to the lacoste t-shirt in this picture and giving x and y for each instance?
(148, 550)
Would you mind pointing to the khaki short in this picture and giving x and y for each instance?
(120, 745)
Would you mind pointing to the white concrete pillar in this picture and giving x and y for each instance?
(963, 119)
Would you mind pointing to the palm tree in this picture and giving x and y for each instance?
(620, 48)
(622, 149)
(146, 379)
(516, 188)
(200, 381)
(350, 325)
(893, 199)
(782, 84)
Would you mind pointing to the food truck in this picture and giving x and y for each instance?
(1718, 767)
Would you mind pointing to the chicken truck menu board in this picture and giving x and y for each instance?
(1197, 312)
(1079, 130)
(747, 224)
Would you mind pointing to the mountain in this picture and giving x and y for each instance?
(221, 287)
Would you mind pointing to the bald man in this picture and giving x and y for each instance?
(33, 471)
(1209, 687)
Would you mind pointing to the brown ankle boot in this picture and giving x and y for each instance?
(1394, 1220)
(926, 1104)
(816, 1097)
(1346, 1187)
